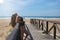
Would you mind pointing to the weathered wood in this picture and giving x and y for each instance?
(47, 31)
(42, 24)
(31, 38)
(15, 34)
(54, 31)
(39, 24)
(47, 27)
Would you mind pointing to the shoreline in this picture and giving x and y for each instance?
(4, 18)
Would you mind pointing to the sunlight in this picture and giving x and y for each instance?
(1, 1)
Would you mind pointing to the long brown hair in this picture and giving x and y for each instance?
(20, 21)
(13, 19)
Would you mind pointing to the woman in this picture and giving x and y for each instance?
(22, 27)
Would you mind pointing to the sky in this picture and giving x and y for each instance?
(30, 7)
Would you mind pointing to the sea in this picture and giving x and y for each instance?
(33, 16)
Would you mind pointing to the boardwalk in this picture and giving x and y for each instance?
(37, 33)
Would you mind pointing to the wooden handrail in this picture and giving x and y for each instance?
(49, 21)
(45, 20)
(14, 34)
(31, 38)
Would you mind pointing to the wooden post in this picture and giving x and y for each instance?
(39, 24)
(54, 31)
(31, 21)
(42, 24)
(47, 27)
(35, 21)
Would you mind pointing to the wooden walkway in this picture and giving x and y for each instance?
(37, 33)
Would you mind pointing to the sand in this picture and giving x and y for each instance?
(4, 28)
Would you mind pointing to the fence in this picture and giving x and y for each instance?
(15, 33)
(40, 23)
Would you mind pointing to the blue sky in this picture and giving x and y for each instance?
(30, 7)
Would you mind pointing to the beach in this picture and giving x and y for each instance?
(4, 28)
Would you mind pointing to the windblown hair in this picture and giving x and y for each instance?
(13, 19)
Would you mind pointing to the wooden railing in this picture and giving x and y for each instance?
(14, 35)
(40, 24)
